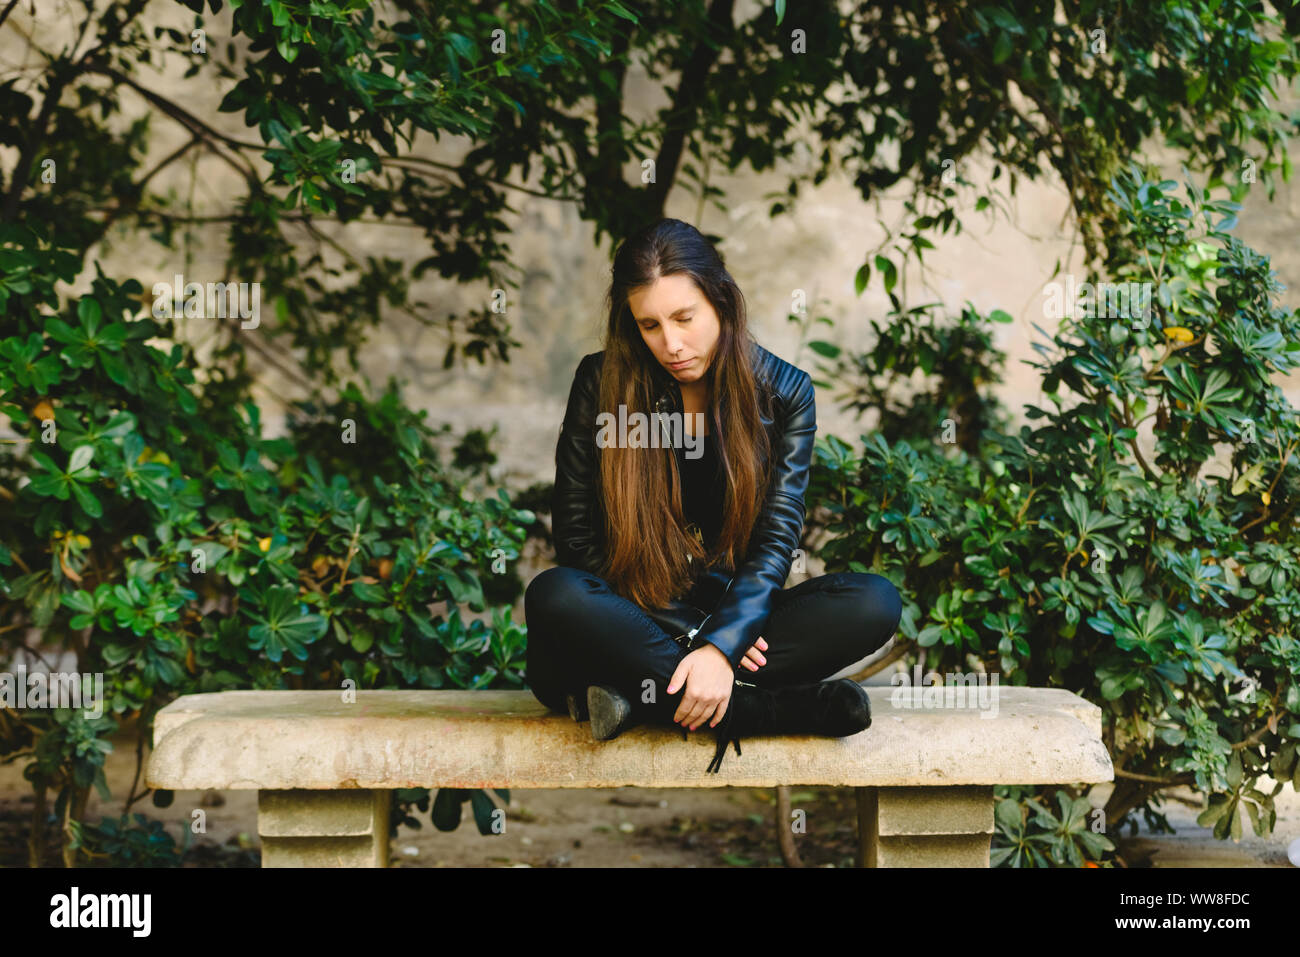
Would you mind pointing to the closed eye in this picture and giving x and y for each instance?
(652, 325)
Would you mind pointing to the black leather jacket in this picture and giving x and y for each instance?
(727, 610)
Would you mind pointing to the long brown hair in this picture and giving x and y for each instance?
(649, 557)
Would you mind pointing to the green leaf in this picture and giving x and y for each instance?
(370, 594)
(463, 45)
(484, 811)
(929, 636)
(114, 655)
(890, 273)
(285, 627)
(286, 48)
(86, 499)
(79, 601)
(89, 312)
(860, 280)
(447, 807)
(616, 8)
(81, 457)
(1213, 813)
(1002, 48)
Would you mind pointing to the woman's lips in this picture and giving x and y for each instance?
(680, 365)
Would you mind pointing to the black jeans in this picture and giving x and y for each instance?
(580, 632)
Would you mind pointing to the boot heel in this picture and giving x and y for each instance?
(611, 713)
(577, 705)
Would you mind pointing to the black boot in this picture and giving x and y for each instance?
(832, 708)
(610, 712)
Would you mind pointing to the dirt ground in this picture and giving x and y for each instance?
(617, 827)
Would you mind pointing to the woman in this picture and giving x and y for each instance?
(671, 562)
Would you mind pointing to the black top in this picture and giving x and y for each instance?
(702, 492)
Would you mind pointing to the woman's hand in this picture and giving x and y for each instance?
(709, 679)
(753, 659)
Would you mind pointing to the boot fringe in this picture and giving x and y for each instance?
(724, 737)
(721, 752)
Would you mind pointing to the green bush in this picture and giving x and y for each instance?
(1027, 834)
(119, 843)
(1166, 591)
(153, 531)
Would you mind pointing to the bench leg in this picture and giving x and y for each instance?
(925, 826)
(307, 828)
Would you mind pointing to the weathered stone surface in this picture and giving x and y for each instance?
(302, 828)
(925, 827)
(322, 852)
(303, 813)
(940, 850)
(959, 810)
(278, 740)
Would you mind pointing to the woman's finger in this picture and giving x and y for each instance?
(701, 708)
(693, 715)
(679, 676)
(684, 706)
(705, 712)
(690, 700)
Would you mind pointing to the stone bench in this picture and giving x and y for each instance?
(323, 768)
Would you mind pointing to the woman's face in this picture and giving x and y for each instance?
(678, 324)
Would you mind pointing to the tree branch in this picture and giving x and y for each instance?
(4, 14)
(122, 208)
(188, 120)
(690, 93)
(404, 162)
(1151, 779)
(58, 80)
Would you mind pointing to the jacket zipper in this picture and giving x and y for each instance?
(690, 635)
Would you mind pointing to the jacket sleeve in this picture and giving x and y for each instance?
(578, 540)
(743, 610)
